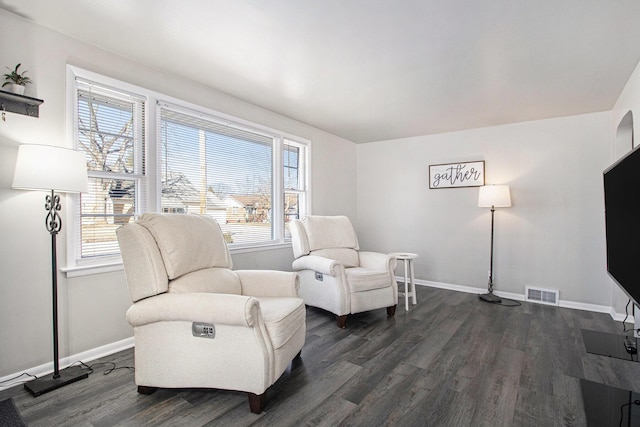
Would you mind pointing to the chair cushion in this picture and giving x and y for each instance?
(215, 280)
(363, 279)
(344, 256)
(329, 232)
(187, 242)
(282, 318)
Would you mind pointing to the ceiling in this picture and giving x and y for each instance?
(370, 70)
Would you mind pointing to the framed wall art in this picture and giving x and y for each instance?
(456, 175)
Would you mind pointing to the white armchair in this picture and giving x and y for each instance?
(334, 274)
(197, 323)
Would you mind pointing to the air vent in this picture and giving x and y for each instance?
(543, 296)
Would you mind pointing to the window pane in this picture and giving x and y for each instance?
(105, 132)
(109, 204)
(218, 170)
(291, 163)
(291, 210)
(294, 173)
(110, 131)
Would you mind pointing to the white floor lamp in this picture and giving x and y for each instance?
(54, 169)
(493, 196)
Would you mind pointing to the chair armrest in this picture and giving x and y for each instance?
(268, 283)
(377, 261)
(212, 308)
(317, 263)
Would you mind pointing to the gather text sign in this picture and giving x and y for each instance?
(452, 175)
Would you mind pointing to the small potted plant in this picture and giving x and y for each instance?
(15, 81)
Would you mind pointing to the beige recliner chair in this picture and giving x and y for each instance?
(334, 274)
(197, 323)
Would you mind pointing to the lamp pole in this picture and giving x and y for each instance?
(493, 211)
(54, 225)
(71, 374)
(490, 296)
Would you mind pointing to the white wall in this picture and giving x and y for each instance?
(92, 308)
(629, 100)
(552, 237)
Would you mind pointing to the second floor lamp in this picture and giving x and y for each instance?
(493, 196)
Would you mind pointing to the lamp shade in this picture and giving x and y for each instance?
(45, 167)
(497, 196)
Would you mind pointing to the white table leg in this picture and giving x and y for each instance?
(413, 283)
(406, 286)
(409, 277)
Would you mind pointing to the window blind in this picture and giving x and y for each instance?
(110, 131)
(294, 182)
(218, 169)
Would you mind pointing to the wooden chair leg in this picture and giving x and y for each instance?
(142, 389)
(257, 402)
(342, 321)
(391, 311)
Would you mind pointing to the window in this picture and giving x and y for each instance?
(170, 156)
(109, 129)
(295, 186)
(218, 169)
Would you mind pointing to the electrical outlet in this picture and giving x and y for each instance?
(203, 330)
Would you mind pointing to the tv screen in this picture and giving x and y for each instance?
(622, 222)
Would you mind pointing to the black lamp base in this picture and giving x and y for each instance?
(490, 298)
(48, 383)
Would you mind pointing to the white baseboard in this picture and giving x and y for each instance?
(85, 356)
(520, 297)
(596, 308)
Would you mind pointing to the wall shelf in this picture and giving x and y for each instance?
(20, 104)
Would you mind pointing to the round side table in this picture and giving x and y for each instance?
(409, 279)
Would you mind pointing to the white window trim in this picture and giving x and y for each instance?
(152, 196)
(306, 168)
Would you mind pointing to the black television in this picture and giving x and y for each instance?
(622, 222)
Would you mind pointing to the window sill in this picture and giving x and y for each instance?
(89, 270)
(259, 248)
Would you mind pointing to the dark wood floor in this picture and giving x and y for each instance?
(452, 360)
